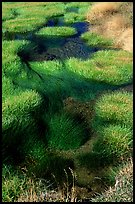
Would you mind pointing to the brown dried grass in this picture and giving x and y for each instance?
(112, 20)
(100, 10)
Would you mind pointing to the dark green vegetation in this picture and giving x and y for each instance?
(62, 106)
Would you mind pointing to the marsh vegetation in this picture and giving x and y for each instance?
(67, 114)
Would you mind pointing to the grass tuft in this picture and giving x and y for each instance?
(65, 133)
(115, 108)
(95, 40)
(57, 31)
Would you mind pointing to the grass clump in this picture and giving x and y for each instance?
(65, 133)
(73, 17)
(95, 40)
(57, 31)
(23, 25)
(20, 106)
(54, 10)
(104, 66)
(47, 67)
(115, 108)
(19, 119)
(114, 142)
(113, 125)
(8, 88)
(12, 66)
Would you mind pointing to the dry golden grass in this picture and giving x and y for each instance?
(113, 20)
(126, 39)
(38, 191)
(101, 9)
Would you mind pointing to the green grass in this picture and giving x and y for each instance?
(17, 187)
(11, 184)
(8, 88)
(114, 142)
(57, 31)
(27, 10)
(45, 12)
(80, 15)
(12, 66)
(7, 14)
(19, 119)
(73, 17)
(115, 108)
(95, 40)
(65, 133)
(23, 25)
(113, 125)
(112, 67)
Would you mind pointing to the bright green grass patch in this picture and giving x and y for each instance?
(47, 11)
(12, 47)
(73, 17)
(23, 25)
(54, 10)
(65, 133)
(11, 63)
(57, 31)
(12, 66)
(112, 67)
(25, 102)
(95, 40)
(115, 108)
(7, 14)
(47, 67)
(19, 115)
(114, 141)
(8, 88)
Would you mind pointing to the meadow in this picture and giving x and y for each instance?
(67, 102)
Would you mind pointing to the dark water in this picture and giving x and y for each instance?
(71, 46)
